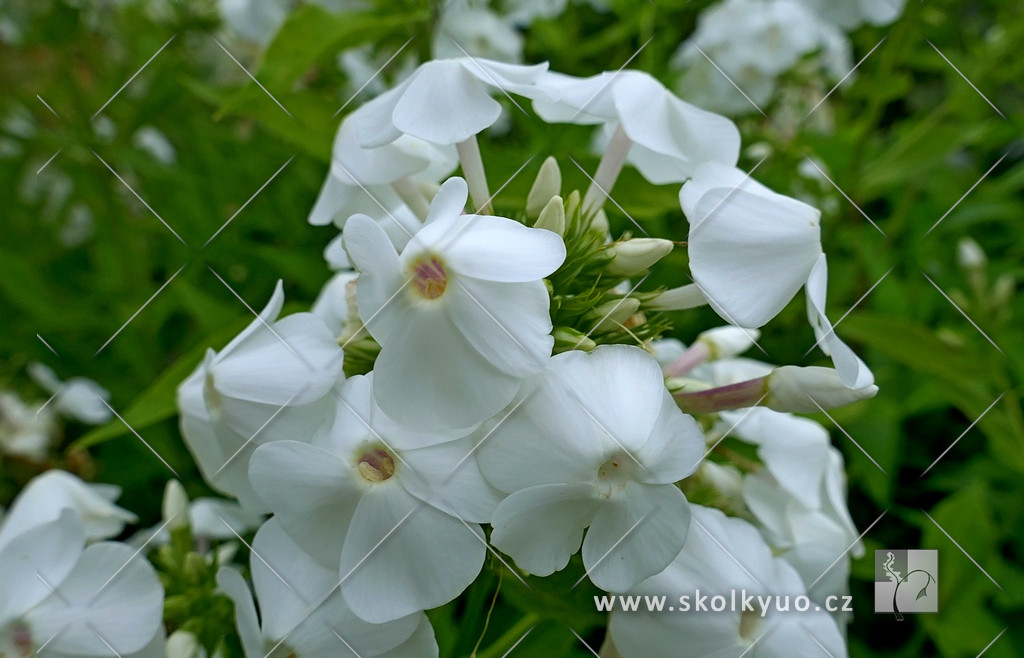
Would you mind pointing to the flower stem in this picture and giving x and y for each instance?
(734, 396)
(473, 171)
(406, 189)
(697, 354)
(607, 171)
(510, 638)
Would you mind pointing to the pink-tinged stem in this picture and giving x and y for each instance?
(607, 171)
(697, 354)
(723, 398)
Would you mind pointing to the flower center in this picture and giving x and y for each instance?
(614, 475)
(748, 624)
(18, 641)
(376, 465)
(429, 277)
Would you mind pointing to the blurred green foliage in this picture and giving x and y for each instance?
(907, 141)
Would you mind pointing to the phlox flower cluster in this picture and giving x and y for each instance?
(484, 386)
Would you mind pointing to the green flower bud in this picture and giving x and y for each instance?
(552, 217)
(630, 257)
(567, 339)
(547, 185)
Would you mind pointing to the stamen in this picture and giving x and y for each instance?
(430, 278)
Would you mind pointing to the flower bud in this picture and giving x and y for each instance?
(572, 206)
(547, 185)
(614, 313)
(552, 217)
(630, 257)
(567, 339)
(1003, 289)
(175, 505)
(726, 342)
(677, 299)
(182, 644)
(600, 221)
(809, 389)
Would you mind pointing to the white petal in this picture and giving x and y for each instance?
(750, 256)
(421, 644)
(407, 385)
(507, 77)
(635, 535)
(267, 316)
(499, 249)
(509, 324)
(448, 477)
(404, 556)
(541, 527)
(311, 493)
(444, 104)
(207, 517)
(112, 594)
(577, 100)
(375, 257)
(449, 201)
(675, 446)
(231, 582)
(852, 371)
(47, 551)
(373, 120)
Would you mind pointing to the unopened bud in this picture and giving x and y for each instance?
(726, 342)
(1003, 289)
(809, 389)
(572, 206)
(552, 217)
(630, 257)
(614, 313)
(600, 221)
(547, 185)
(182, 644)
(175, 505)
(676, 299)
(567, 338)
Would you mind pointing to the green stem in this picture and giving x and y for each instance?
(503, 644)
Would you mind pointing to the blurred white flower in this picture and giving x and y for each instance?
(254, 20)
(723, 555)
(154, 142)
(750, 249)
(465, 297)
(47, 495)
(466, 27)
(78, 398)
(849, 14)
(274, 380)
(594, 441)
(302, 612)
(393, 509)
(26, 431)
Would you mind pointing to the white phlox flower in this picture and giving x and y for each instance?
(77, 600)
(852, 370)
(78, 398)
(462, 315)
(275, 379)
(468, 27)
(750, 249)
(849, 14)
(723, 555)
(302, 613)
(594, 441)
(395, 511)
(26, 430)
